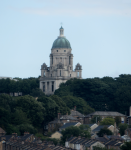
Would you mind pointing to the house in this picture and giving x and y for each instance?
(79, 143)
(69, 125)
(75, 116)
(97, 129)
(126, 138)
(78, 115)
(92, 126)
(56, 135)
(2, 132)
(128, 132)
(104, 114)
(114, 144)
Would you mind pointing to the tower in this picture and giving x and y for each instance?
(61, 66)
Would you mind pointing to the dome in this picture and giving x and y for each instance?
(61, 42)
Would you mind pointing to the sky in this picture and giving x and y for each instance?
(99, 32)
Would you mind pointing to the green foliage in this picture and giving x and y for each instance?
(126, 146)
(82, 130)
(80, 104)
(20, 114)
(23, 85)
(104, 131)
(96, 118)
(26, 127)
(107, 121)
(102, 94)
(117, 120)
(37, 93)
(122, 128)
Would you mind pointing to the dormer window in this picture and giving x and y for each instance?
(78, 68)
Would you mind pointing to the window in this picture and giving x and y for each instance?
(78, 68)
(44, 88)
(44, 73)
(52, 59)
(70, 68)
(77, 74)
(70, 75)
(51, 75)
(60, 72)
(64, 50)
(57, 50)
(69, 60)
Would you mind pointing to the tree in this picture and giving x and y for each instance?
(82, 130)
(26, 127)
(95, 119)
(122, 128)
(126, 146)
(37, 93)
(117, 120)
(107, 121)
(104, 131)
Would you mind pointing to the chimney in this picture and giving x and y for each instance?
(98, 123)
(75, 108)
(119, 134)
(58, 115)
(130, 111)
(15, 134)
(25, 133)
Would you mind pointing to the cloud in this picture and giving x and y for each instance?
(80, 8)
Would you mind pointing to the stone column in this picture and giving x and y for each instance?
(71, 61)
(41, 86)
(45, 87)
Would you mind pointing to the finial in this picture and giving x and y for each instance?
(61, 30)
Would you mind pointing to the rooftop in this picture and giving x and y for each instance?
(105, 113)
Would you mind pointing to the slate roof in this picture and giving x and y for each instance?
(7, 137)
(105, 113)
(68, 125)
(2, 131)
(68, 117)
(76, 113)
(26, 137)
(113, 143)
(82, 141)
(97, 129)
(89, 124)
(102, 139)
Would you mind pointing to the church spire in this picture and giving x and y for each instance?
(61, 31)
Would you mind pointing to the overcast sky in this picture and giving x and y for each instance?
(99, 32)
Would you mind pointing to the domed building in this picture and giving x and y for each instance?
(61, 66)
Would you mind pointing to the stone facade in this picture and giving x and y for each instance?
(61, 66)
